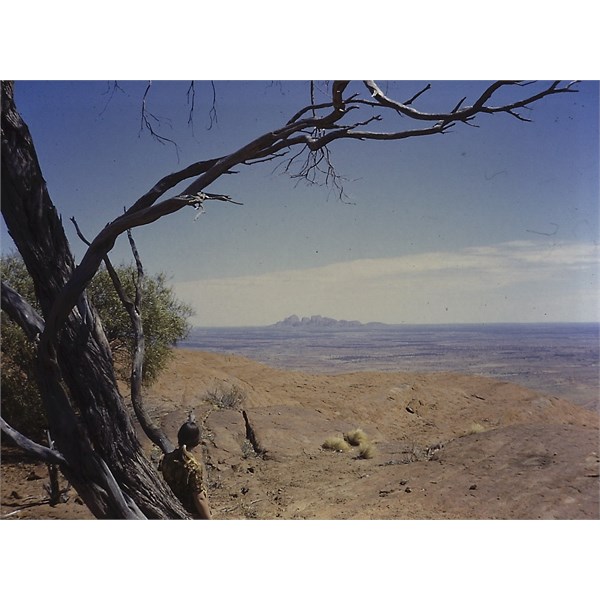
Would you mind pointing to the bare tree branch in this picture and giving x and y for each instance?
(112, 91)
(191, 98)
(413, 98)
(21, 312)
(469, 111)
(317, 163)
(310, 108)
(47, 455)
(212, 113)
(146, 120)
(134, 310)
(337, 91)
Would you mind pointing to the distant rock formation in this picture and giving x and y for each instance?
(317, 321)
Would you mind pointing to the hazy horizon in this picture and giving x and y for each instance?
(380, 323)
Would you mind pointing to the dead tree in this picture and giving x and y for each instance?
(95, 443)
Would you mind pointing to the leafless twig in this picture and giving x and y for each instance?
(212, 113)
(191, 99)
(146, 120)
(111, 90)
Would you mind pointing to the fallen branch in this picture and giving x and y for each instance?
(45, 454)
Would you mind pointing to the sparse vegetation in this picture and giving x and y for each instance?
(366, 450)
(337, 444)
(356, 437)
(248, 449)
(226, 396)
(476, 428)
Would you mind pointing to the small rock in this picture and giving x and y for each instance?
(15, 495)
(403, 481)
(33, 476)
(410, 409)
(408, 490)
(245, 490)
(473, 487)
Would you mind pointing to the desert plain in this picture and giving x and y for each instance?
(444, 446)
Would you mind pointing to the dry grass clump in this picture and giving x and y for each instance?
(337, 444)
(356, 437)
(226, 396)
(366, 450)
(476, 428)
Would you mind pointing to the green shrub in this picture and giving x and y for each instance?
(165, 321)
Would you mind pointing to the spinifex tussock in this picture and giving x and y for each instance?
(337, 444)
(356, 437)
(366, 450)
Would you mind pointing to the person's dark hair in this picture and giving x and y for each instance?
(188, 434)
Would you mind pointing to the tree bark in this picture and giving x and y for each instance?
(87, 415)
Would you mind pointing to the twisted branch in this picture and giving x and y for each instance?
(134, 310)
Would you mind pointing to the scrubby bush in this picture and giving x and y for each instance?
(164, 318)
(226, 396)
(337, 444)
(165, 321)
(21, 403)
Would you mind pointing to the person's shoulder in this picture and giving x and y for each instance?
(169, 459)
(188, 458)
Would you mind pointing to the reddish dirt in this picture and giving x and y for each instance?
(447, 446)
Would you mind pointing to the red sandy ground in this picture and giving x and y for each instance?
(447, 446)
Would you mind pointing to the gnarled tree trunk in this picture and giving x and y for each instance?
(87, 415)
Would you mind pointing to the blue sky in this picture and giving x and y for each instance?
(484, 224)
